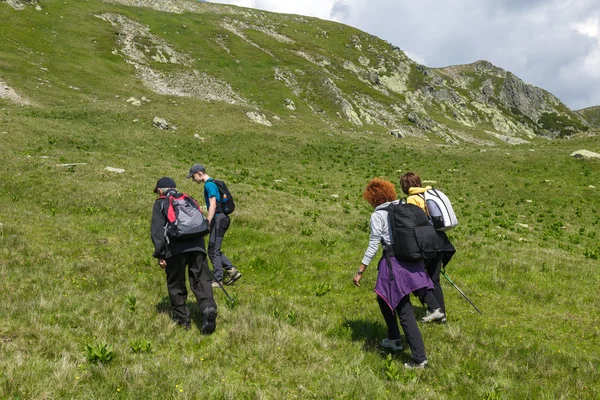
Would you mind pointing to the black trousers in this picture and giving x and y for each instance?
(405, 312)
(433, 266)
(200, 283)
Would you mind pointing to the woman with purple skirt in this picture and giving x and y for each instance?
(393, 295)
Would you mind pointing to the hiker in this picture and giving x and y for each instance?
(174, 255)
(411, 186)
(393, 291)
(219, 223)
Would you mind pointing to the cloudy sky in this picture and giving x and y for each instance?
(553, 44)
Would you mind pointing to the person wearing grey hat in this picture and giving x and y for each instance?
(174, 256)
(219, 223)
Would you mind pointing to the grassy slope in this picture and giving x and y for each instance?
(75, 242)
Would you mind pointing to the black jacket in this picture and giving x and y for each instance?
(157, 233)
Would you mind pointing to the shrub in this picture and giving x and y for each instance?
(141, 346)
(321, 288)
(99, 353)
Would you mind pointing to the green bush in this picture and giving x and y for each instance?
(99, 353)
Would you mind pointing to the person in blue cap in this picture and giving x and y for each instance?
(219, 223)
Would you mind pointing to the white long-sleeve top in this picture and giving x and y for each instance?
(379, 230)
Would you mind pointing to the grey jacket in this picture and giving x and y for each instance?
(379, 230)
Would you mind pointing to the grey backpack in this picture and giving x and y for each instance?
(184, 217)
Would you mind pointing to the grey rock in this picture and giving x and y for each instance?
(425, 123)
(161, 123)
(115, 170)
(585, 154)
(397, 133)
(289, 104)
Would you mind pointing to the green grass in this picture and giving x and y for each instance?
(75, 247)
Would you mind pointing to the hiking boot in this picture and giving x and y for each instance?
(435, 315)
(184, 324)
(414, 365)
(395, 345)
(216, 284)
(232, 275)
(209, 320)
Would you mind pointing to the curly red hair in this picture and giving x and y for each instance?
(379, 191)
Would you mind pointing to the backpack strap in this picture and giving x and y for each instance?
(388, 249)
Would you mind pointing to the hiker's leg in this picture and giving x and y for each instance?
(391, 320)
(433, 270)
(214, 250)
(200, 280)
(430, 300)
(411, 330)
(223, 224)
(175, 272)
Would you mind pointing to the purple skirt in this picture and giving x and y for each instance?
(408, 277)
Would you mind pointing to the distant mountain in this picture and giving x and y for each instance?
(274, 67)
(591, 115)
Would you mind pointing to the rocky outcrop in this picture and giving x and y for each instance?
(21, 4)
(176, 6)
(8, 93)
(140, 48)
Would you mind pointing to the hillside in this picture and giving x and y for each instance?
(99, 99)
(275, 67)
(591, 115)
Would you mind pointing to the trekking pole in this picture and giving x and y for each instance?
(221, 286)
(461, 292)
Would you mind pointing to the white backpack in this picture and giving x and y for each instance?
(440, 210)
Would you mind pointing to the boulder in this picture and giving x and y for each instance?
(115, 170)
(397, 133)
(258, 118)
(585, 154)
(133, 101)
(161, 123)
(289, 103)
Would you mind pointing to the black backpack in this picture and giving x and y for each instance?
(226, 205)
(413, 236)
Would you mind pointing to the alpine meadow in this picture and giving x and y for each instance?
(99, 99)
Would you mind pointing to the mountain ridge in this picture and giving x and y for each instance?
(344, 77)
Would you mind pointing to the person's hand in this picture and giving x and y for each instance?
(162, 263)
(356, 279)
